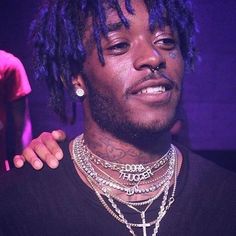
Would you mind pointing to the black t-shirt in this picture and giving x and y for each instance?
(57, 202)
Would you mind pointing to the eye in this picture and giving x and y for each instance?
(118, 48)
(166, 43)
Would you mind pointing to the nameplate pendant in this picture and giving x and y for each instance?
(136, 176)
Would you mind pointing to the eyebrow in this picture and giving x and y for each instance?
(115, 26)
(118, 25)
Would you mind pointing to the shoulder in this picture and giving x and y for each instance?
(208, 194)
(25, 181)
(206, 179)
(204, 164)
(209, 167)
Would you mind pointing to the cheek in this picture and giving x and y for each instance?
(176, 64)
(117, 74)
(122, 72)
(109, 79)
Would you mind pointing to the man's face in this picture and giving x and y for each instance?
(125, 96)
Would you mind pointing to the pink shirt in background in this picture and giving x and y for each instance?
(14, 84)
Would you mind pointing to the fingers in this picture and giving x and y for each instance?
(49, 140)
(42, 149)
(46, 148)
(18, 161)
(59, 135)
(29, 155)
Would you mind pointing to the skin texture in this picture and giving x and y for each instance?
(113, 109)
(45, 148)
(120, 124)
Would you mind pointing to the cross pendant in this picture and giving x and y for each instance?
(144, 225)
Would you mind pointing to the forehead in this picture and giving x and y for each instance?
(114, 19)
(111, 17)
(139, 12)
(120, 13)
(116, 16)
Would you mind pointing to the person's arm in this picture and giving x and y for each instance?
(16, 90)
(42, 149)
(21, 122)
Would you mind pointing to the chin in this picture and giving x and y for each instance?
(139, 133)
(154, 121)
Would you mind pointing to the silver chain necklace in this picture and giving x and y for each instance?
(165, 205)
(93, 178)
(81, 159)
(128, 172)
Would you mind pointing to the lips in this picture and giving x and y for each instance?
(152, 87)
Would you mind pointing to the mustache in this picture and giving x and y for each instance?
(156, 75)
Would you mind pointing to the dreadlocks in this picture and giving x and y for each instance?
(58, 32)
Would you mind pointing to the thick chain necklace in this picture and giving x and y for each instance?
(106, 176)
(96, 183)
(110, 182)
(128, 172)
(82, 160)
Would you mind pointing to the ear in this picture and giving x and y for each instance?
(78, 83)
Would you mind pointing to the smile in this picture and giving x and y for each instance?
(152, 87)
(153, 90)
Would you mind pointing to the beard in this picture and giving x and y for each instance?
(111, 116)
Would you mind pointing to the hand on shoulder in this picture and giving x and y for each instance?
(44, 148)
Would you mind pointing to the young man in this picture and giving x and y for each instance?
(125, 60)
(15, 124)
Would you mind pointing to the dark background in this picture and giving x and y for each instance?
(209, 92)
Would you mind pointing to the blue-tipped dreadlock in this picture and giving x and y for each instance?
(58, 32)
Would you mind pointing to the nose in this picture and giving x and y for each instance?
(148, 57)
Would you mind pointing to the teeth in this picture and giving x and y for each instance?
(153, 90)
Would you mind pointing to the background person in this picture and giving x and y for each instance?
(15, 123)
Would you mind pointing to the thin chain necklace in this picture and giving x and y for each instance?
(117, 166)
(128, 172)
(141, 182)
(124, 185)
(83, 161)
(107, 177)
(165, 204)
(129, 191)
(145, 202)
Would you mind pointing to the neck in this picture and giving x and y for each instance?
(111, 148)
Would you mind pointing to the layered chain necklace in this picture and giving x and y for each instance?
(88, 163)
(129, 172)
